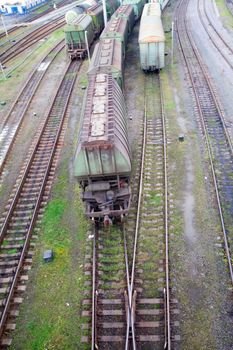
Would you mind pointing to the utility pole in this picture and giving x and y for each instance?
(105, 13)
(88, 51)
(172, 41)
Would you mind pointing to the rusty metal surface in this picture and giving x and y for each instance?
(95, 10)
(116, 28)
(151, 30)
(107, 58)
(103, 147)
(126, 11)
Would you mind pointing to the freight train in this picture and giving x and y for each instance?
(102, 163)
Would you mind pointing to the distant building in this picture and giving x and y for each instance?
(9, 7)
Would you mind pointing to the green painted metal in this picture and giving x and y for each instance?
(137, 6)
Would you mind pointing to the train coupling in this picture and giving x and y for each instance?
(107, 221)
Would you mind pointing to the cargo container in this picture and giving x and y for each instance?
(151, 40)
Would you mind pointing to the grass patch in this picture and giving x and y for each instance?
(224, 12)
(155, 199)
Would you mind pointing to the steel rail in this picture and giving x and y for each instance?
(217, 33)
(197, 54)
(34, 17)
(27, 102)
(131, 287)
(128, 311)
(30, 39)
(59, 46)
(38, 201)
(207, 139)
(167, 344)
(94, 296)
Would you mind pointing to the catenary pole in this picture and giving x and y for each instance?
(105, 13)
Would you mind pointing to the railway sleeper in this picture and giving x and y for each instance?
(11, 246)
(26, 217)
(111, 339)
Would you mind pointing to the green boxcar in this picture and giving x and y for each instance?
(75, 36)
(111, 6)
(137, 6)
(96, 13)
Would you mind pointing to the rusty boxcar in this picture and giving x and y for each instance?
(108, 58)
(127, 12)
(117, 28)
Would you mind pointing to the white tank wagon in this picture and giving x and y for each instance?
(151, 39)
(102, 162)
(72, 15)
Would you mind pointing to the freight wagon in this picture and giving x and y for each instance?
(151, 39)
(108, 58)
(117, 28)
(102, 162)
(75, 35)
(127, 12)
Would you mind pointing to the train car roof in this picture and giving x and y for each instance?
(151, 9)
(151, 30)
(81, 21)
(104, 128)
(107, 56)
(95, 10)
(80, 24)
(115, 25)
(124, 10)
(131, 2)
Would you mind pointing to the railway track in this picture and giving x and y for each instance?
(14, 118)
(223, 46)
(30, 39)
(131, 303)
(149, 266)
(35, 16)
(213, 126)
(25, 204)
